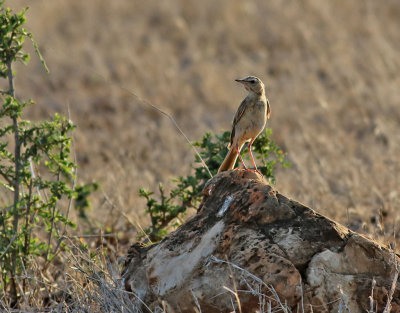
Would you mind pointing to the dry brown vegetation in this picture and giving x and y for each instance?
(331, 71)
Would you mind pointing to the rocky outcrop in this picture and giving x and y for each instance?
(251, 249)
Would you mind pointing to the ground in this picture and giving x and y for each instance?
(331, 75)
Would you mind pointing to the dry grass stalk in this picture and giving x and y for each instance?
(396, 265)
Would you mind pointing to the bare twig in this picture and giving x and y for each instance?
(173, 121)
(9, 245)
(28, 229)
(270, 288)
(73, 183)
(136, 225)
(196, 301)
(233, 306)
(235, 293)
(388, 306)
(371, 297)
(53, 214)
(75, 171)
(17, 161)
(7, 179)
(343, 305)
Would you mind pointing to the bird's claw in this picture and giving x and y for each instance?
(254, 171)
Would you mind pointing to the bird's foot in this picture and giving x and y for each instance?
(241, 168)
(254, 171)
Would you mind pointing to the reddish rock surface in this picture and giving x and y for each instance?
(249, 248)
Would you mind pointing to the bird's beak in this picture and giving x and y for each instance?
(242, 81)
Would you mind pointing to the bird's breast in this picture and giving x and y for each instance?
(252, 122)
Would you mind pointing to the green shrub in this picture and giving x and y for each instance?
(37, 174)
(167, 212)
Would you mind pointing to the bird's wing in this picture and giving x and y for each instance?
(268, 109)
(238, 116)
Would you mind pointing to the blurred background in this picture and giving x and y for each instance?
(330, 69)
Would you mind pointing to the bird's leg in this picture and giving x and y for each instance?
(252, 159)
(251, 155)
(240, 157)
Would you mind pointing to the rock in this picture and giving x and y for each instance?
(249, 248)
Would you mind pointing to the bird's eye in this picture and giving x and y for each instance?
(253, 81)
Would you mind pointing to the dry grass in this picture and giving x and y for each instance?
(331, 78)
(80, 280)
(331, 71)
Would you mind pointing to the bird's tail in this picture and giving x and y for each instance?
(229, 161)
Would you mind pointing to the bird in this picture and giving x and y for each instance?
(248, 122)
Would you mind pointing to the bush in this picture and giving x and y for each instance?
(167, 212)
(37, 174)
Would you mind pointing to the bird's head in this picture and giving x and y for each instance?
(252, 84)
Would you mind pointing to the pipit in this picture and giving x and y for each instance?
(248, 123)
